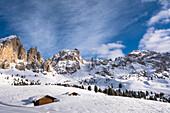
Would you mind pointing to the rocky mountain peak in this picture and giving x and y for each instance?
(67, 61)
(34, 55)
(11, 49)
(34, 59)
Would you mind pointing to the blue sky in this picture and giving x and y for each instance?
(98, 28)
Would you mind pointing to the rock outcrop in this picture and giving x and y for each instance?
(34, 55)
(12, 49)
(20, 66)
(34, 59)
(67, 61)
(137, 63)
(46, 66)
(5, 64)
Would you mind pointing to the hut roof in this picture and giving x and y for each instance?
(48, 96)
(74, 93)
(35, 98)
(45, 100)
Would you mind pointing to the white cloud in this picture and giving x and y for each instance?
(157, 40)
(165, 3)
(56, 25)
(110, 50)
(162, 16)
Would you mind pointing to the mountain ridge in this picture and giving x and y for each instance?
(69, 61)
(148, 70)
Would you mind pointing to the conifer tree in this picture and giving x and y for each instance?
(105, 91)
(147, 93)
(95, 89)
(89, 88)
(120, 85)
(110, 91)
(100, 90)
(82, 87)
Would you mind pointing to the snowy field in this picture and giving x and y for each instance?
(14, 99)
(132, 83)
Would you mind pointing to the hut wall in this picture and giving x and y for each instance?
(45, 100)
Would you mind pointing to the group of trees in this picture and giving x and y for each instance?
(21, 82)
(133, 94)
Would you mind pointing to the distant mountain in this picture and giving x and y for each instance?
(143, 62)
(67, 61)
(148, 69)
(12, 51)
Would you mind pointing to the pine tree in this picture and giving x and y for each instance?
(116, 93)
(139, 94)
(169, 100)
(161, 94)
(151, 98)
(89, 88)
(100, 90)
(105, 91)
(147, 93)
(110, 91)
(82, 87)
(124, 94)
(120, 85)
(134, 94)
(95, 89)
(120, 93)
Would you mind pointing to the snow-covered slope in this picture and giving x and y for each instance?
(19, 98)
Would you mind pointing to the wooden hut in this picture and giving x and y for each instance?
(45, 100)
(73, 94)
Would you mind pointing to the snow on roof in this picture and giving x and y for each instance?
(35, 98)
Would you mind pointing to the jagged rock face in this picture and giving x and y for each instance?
(5, 64)
(28, 66)
(12, 49)
(46, 66)
(34, 55)
(142, 63)
(67, 61)
(20, 66)
(161, 60)
(34, 59)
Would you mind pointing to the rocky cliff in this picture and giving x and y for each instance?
(137, 63)
(67, 61)
(11, 49)
(34, 59)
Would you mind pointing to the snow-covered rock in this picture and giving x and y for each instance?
(67, 61)
(11, 49)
